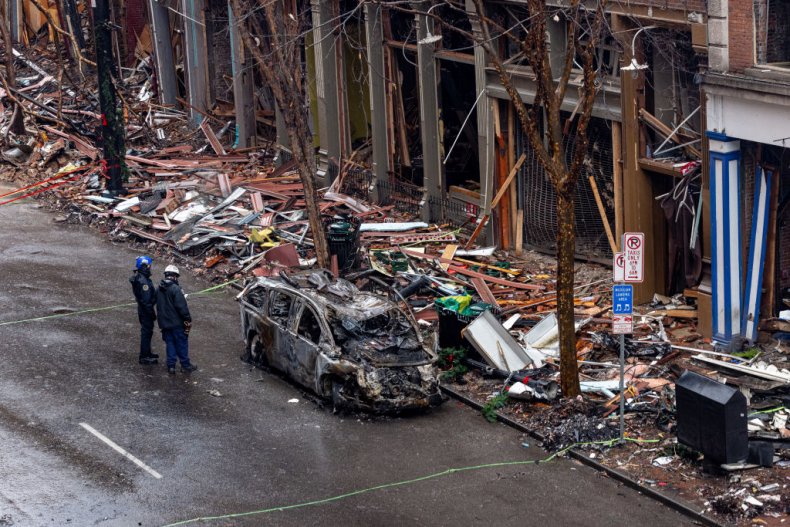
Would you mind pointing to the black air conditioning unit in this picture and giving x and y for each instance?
(712, 419)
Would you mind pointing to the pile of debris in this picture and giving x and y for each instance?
(241, 213)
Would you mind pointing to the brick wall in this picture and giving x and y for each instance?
(741, 34)
(134, 21)
(219, 56)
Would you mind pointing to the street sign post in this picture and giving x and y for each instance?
(623, 299)
(634, 249)
(618, 267)
(622, 324)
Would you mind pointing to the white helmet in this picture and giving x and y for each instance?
(172, 269)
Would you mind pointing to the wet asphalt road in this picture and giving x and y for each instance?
(249, 449)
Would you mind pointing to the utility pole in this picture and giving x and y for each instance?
(111, 113)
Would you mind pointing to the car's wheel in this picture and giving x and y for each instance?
(254, 350)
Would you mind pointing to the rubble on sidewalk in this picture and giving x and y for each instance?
(240, 214)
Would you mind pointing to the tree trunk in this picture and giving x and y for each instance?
(566, 248)
(299, 138)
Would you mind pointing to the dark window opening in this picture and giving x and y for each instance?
(309, 328)
(401, 35)
(454, 16)
(459, 116)
(772, 32)
(280, 307)
(257, 297)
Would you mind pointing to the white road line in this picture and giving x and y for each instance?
(121, 451)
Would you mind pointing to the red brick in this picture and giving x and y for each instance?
(741, 35)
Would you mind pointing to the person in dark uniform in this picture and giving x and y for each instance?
(145, 294)
(174, 321)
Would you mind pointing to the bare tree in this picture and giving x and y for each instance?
(584, 28)
(272, 32)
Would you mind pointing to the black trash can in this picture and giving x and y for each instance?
(451, 323)
(343, 240)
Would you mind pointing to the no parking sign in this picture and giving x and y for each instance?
(634, 252)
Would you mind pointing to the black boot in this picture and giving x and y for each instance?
(148, 361)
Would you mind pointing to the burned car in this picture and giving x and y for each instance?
(358, 349)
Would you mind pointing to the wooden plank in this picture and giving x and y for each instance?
(485, 293)
(510, 177)
(679, 313)
(520, 232)
(212, 138)
(148, 236)
(503, 210)
(660, 167)
(768, 300)
(477, 231)
(448, 254)
(466, 272)
(511, 162)
(513, 272)
(617, 161)
(472, 195)
(602, 212)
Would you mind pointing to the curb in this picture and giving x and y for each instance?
(613, 473)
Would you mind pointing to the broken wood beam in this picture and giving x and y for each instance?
(212, 139)
(495, 201)
(473, 274)
(602, 212)
(484, 291)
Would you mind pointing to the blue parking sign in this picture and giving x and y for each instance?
(622, 299)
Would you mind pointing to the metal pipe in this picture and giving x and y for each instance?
(675, 130)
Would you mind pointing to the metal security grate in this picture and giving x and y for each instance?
(358, 182)
(454, 212)
(540, 202)
(405, 196)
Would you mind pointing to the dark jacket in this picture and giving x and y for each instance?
(171, 305)
(144, 291)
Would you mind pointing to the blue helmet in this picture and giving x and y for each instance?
(143, 261)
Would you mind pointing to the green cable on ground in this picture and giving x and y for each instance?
(58, 315)
(106, 308)
(768, 411)
(447, 472)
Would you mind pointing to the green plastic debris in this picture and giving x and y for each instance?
(454, 303)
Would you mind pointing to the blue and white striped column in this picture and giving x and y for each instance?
(725, 224)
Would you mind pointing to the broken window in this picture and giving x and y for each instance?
(309, 328)
(280, 307)
(772, 32)
(257, 296)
